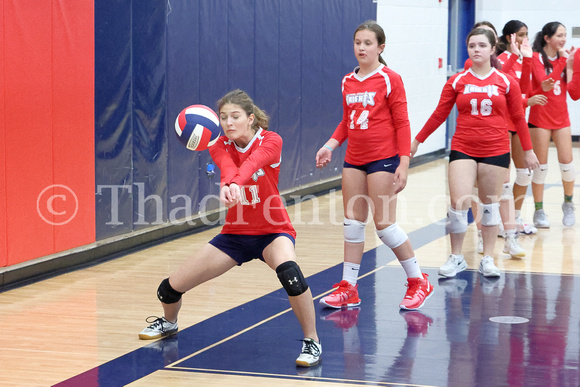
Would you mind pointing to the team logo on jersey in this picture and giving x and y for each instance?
(258, 173)
(487, 89)
(366, 98)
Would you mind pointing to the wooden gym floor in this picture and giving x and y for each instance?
(81, 328)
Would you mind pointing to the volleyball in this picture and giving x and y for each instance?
(197, 127)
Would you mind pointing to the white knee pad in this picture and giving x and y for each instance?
(523, 177)
(491, 215)
(392, 236)
(540, 174)
(354, 231)
(568, 171)
(456, 221)
(507, 192)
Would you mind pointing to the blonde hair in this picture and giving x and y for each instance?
(242, 99)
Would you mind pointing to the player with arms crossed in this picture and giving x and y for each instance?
(376, 123)
(480, 148)
(257, 224)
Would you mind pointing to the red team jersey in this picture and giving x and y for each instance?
(375, 118)
(553, 115)
(255, 169)
(521, 70)
(482, 104)
(574, 84)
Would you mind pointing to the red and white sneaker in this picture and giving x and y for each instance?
(418, 291)
(344, 295)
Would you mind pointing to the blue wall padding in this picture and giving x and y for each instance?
(154, 59)
(113, 126)
(149, 47)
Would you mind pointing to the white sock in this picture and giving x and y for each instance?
(518, 213)
(350, 272)
(411, 267)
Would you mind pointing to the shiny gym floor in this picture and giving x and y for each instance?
(80, 328)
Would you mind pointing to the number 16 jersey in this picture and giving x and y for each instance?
(483, 105)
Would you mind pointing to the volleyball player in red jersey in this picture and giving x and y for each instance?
(517, 61)
(506, 203)
(480, 146)
(376, 123)
(551, 120)
(573, 65)
(256, 226)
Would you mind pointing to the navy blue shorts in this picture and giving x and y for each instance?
(500, 161)
(385, 165)
(244, 248)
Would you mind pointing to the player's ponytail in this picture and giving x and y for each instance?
(242, 99)
(262, 120)
(373, 26)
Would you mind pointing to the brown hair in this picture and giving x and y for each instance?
(491, 37)
(373, 26)
(242, 99)
(484, 23)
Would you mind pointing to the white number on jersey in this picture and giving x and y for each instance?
(485, 107)
(253, 192)
(362, 121)
(557, 88)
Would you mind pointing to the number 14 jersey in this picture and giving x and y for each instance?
(375, 118)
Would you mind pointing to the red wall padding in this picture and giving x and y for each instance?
(3, 258)
(48, 126)
(73, 115)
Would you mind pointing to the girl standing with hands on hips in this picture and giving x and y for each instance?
(376, 123)
(552, 120)
(480, 148)
(257, 224)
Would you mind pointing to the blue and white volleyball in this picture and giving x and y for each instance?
(197, 127)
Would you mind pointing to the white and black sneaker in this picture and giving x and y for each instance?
(159, 327)
(310, 356)
(455, 264)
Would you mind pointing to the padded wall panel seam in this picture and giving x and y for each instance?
(148, 53)
(113, 127)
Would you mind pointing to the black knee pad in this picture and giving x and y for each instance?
(167, 294)
(291, 277)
